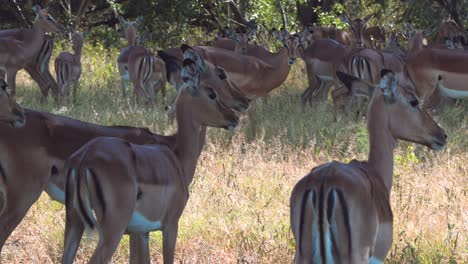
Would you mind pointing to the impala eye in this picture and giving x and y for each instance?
(211, 94)
(414, 102)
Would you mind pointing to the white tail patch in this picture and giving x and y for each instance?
(315, 230)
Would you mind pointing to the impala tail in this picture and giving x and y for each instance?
(324, 228)
(87, 195)
(360, 67)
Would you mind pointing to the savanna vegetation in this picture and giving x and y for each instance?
(238, 211)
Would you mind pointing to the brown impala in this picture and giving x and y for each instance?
(10, 112)
(47, 140)
(23, 46)
(255, 75)
(118, 187)
(340, 213)
(68, 65)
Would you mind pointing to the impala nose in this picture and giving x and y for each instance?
(291, 61)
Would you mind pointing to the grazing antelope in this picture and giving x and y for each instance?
(10, 112)
(32, 157)
(68, 65)
(323, 57)
(340, 213)
(23, 46)
(117, 187)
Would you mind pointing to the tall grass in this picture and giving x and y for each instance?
(239, 205)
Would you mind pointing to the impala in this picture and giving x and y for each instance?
(323, 57)
(340, 213)
(442, 69)
(254, 76)
(10, 112)
(33, 156)
(450, 30)
(68, 65)
(118, 187)
(236, 41)
(23, 46)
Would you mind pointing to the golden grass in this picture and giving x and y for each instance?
(239, 205)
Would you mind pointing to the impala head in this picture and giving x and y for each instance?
(211, 77)
(45, 21)
(205, 106)
(77, 39)
(306, 36)
(357, 28)
(405, 118)
(449, 29)
(10, 111)
(130, 28)
(242, 39)
(393, 45)
(416, 38)
(290, 41)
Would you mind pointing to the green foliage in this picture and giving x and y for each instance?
(331, 19)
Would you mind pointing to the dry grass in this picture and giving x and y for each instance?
(239, 205)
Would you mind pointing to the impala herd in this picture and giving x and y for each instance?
(126, 180)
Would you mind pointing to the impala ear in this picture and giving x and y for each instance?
(388, 84)
(221, 73)
(190, 53)
(138, 21)
(354, 85)
(191, 76)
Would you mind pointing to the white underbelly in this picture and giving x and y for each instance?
(55, 193)
(139, 224)
(452, 93)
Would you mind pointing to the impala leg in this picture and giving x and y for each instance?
(252, 113)
(73, 232)
(304, 97)
(169, 242)
(139, 249)
(109, 239)
(75, 90)
(15, 207)
(11, 80)
(124, 76)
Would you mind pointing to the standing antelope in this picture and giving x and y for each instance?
(236, 41)
(254, 76)
(32, 157)
(139, 65)
(22, 47)
(10, 112)
(433, 69)
(68, 65)
(340, 213)
(118, 187)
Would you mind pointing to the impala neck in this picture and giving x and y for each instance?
(190, 140)
(37, 36)
(78, 51)
(280, 61)
(381, 140)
